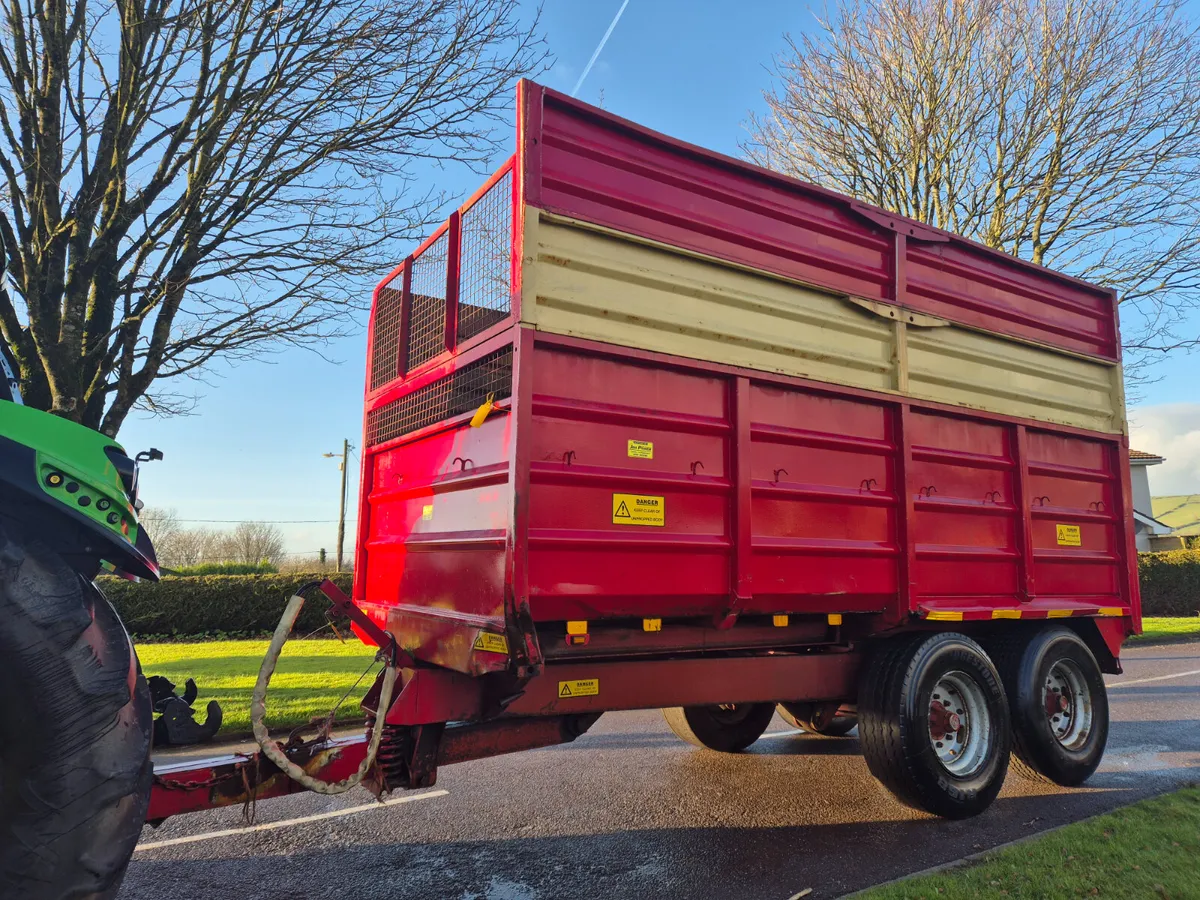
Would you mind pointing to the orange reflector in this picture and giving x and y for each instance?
(577, 628)
(651, 624)
(835, 618)
(779, 621)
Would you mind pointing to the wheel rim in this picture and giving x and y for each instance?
(1068, 704)
(959, 724)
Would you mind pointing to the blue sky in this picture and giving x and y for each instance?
(690, 68)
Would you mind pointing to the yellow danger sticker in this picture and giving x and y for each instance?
(427, 512)
(587, 687)
(491, 643)
(638, 509)
(641, 449)
(1068, 535)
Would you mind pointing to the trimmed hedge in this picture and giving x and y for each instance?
(229, 605)
(250, 605)
(1170, 582)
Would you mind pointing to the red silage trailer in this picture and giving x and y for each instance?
(647, 427)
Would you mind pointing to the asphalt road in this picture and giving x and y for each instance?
(629, 811)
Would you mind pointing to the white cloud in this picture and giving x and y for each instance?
(1172, 430)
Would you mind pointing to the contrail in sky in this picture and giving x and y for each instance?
(599, 47)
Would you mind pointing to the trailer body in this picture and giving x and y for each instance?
(646, 426)
(730, 406)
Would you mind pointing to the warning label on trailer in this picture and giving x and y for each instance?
(638, 509)
(587, 687)
(641, 449)
(1068, 535)
(427, 511)
(491, 643)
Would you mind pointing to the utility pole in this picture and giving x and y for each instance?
(341, 537)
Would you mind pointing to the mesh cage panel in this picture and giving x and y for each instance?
(385, 341)
(459, 392)
(427, 322)
(485, 271)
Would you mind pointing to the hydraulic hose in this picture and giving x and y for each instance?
(258, 710)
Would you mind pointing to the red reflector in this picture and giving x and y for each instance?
(576, 640)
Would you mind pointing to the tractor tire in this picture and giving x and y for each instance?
(934, 723)
(1058, 701)
(728, 728)
(809, 718)
(75, 770)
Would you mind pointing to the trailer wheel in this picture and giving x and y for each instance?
(934, 723)
(729, 727)
(75, 771)
(1059, 704)
(814, 718)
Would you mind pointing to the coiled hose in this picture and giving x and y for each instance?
(272, 749)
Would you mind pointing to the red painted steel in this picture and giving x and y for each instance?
(583, 162)
(782, 496)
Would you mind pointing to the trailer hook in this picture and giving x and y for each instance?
(462, 463)
(867, 484)
(1042, 500)
(991, 497)
(568, 456)
(928, 491)
(777, 471)
(1097, 505)
(696, 463)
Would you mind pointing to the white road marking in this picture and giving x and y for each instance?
(1121, 684)
(287, 823)
(775, 734)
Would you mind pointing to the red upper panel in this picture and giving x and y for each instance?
(582, 162)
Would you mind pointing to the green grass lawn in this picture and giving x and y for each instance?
(310, 678)
(1148, 850)
(1165, 631)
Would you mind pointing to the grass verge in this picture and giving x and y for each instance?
(1168, 630)
(310, 678)
(1146, 850)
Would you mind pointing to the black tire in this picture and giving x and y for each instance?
(895, 712)
(1031, 665)
(75, 770)
(727, 728)
(812, 719)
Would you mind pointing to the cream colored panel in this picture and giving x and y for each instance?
(604, 287)
(595, 283)
(954, 365)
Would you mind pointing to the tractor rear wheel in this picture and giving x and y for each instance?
(75, 771)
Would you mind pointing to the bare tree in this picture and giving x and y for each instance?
(1063, 131)
(252, 542)
(201, 179)
(164, 529)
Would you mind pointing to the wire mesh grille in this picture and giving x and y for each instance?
(385, 342)
(484, 286)
(459, 392)
(427, 321)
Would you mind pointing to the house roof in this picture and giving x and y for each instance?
(1141, 457)
(1152, 525)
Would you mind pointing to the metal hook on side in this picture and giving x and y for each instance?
(695, 464)
(777, 471)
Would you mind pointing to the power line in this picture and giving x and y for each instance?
(261, 521)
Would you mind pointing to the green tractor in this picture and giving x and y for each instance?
(75, 770)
